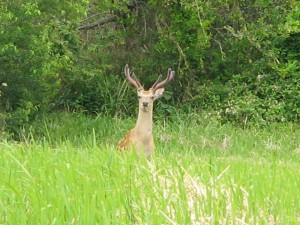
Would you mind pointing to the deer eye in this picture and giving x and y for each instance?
(139, 96)
(152, 97)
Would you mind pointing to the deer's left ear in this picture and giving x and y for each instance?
(158, 93)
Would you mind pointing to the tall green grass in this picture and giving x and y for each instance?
(68, 172)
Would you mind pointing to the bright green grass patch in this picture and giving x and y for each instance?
(202, 173)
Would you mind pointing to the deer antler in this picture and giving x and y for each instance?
(158, 84)
(132, 79)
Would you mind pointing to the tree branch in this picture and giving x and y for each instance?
(101, 22)
(131, 7)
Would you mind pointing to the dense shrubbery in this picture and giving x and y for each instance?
(237, 59)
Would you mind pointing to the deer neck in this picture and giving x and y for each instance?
(144, 124)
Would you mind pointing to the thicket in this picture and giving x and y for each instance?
(236, 59)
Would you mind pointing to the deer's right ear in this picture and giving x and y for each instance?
(158, 93)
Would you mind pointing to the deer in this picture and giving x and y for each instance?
(140, 137)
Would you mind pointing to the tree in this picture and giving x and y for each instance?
(34, 48)
(239, 59)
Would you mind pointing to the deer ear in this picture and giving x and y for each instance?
(158, 93)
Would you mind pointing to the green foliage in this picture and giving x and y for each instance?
(35, 46)
(270, 92)
(238, 59)
(229, 56)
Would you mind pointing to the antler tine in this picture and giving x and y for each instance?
(140, 87)
(158, 84)
(133, 80)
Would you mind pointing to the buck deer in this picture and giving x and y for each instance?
(140, 137)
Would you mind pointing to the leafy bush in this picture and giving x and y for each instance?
(34, 48)
(236, 58)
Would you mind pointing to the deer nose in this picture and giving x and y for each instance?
(145, 104)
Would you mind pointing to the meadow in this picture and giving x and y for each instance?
(67, 171)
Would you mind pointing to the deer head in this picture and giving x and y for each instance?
(147, 97)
